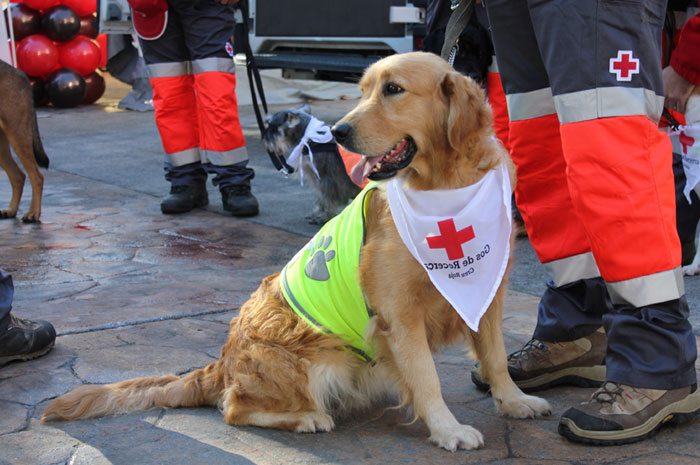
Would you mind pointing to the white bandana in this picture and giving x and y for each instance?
(460, 236)
(686, 141)
(318, 132)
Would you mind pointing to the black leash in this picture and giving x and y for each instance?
(667, 118)
(462, 11)
(256, 89)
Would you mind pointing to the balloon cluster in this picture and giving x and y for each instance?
(56, 48)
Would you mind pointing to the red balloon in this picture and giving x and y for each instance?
(82, 7)
(36, 55)
(41, 4)
(80, 54)
(87, 26)
(94, 87)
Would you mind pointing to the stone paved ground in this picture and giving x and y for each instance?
(136, 293)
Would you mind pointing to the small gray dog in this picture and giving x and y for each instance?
(297, 130)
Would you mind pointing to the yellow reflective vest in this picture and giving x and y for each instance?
(322, 283)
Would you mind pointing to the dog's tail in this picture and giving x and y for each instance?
(39, 154)
(201, 387)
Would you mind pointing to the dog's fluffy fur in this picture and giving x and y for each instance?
(332, 187)
(18, 127)
(277, 371)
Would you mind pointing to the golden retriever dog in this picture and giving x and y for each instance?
(278, 371)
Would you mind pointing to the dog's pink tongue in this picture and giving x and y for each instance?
(362, 168)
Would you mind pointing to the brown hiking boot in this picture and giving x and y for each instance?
(540, 365)
(620, 414)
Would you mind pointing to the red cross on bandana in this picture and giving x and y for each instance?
(686, 141)
(450, 239)
(624, 66)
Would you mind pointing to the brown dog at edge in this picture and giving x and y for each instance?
(18, 127)
(277, 371)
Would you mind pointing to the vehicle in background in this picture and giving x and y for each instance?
(313, 39)
(332, 40)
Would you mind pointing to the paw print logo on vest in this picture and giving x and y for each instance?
(316, 267)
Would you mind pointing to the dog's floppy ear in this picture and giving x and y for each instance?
(468, 112)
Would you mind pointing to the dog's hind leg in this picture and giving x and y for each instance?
(23, 143)
(491, 352)
(14, 174)
(270, 390)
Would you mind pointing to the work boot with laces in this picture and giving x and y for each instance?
(239, 201)
(540, 365)
(620, 414)
(25, 340)
(184, 198)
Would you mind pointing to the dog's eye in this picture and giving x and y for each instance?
(392, 89)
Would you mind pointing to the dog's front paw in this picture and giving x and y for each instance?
(314, 422)
(30, 219)
(524, 406)
(458, 437)
(6, 214)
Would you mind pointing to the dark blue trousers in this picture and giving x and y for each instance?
(649, 347)
(194, 174)
(7, 291)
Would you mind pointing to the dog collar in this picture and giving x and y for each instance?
(316, 131)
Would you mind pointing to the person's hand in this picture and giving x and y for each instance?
(676, 89)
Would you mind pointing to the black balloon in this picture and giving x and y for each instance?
(88, 26)
(60, 23)
(94, 87)
(39, 91)
(25, 21)
(65, 88)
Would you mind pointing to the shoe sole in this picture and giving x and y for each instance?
(586, 377)
(673, 414)
(26, 357)
(242, 213)
(170, 211)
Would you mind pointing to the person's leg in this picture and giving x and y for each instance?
(567, 346)
(20, 339)
(602, 59)
(7, 291)
(208, 33)
(168, 62)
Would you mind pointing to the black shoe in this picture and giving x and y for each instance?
(25, 340)
(184, 198)
(239, 201)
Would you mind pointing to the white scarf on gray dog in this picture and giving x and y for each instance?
(461, 237)
(316, 131)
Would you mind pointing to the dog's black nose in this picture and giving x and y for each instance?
(341, 132)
